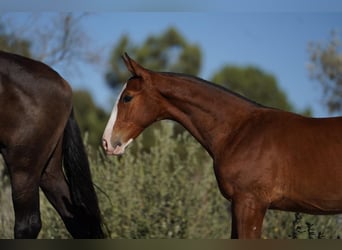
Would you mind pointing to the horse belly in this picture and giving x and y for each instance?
(314, 185)
(310, 206)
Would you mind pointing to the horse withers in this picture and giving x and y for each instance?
(264, 158)
(38, 132)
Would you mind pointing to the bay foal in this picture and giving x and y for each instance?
(264, 158)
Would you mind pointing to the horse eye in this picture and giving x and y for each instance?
(127, 98)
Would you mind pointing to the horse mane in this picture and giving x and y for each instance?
(198, 80)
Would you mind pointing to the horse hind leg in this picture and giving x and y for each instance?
(57, 191)
(55, 187)
(25, 193)
(26, 208)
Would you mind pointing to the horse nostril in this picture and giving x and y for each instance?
(117, 144)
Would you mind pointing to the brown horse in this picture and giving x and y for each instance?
(37, 132)
(264, 158)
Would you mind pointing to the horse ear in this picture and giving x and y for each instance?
(133, 67)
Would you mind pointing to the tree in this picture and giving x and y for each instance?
(326, 68)
(253, 83)
(91, 119)
(11, 43)
(57, 39)
(166, 52)
(61, 40)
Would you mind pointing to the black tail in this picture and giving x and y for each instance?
(87, 221)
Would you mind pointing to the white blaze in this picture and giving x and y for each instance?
(107, 135)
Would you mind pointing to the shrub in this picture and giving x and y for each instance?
(166, 191)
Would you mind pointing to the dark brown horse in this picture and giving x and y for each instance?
(264, 158)
(37, 132)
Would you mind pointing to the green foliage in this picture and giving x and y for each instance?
(168, 51)
(158, 194)
(326, 68)
(254, 84)
(304, 229)
(164, 194)
(11, 43)
(91, 119)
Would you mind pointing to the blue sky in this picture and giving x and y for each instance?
(174, 5)
(274, 39)
(275, 42)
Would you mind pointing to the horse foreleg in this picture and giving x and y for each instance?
(247, 218)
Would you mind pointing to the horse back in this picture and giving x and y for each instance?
(30, 75)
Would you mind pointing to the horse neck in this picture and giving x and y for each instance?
(208, 112)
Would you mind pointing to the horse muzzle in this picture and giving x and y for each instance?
(117, 148)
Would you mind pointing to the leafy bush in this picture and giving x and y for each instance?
(157, 193)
